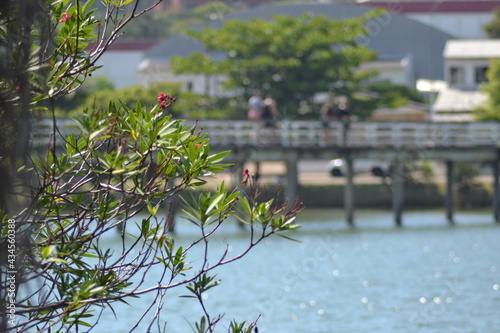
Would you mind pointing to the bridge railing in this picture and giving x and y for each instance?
(313, 134)
(354, 134)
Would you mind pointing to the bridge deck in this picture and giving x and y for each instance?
(354, 134)
(291, 141)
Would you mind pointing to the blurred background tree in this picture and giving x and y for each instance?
(292, 58)
(490, 111)
(393, 95)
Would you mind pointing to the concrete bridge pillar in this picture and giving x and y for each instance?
(496, 190)
(238, 173)
(449, 192)
(349, 191)
(398, 191)
(292, 177)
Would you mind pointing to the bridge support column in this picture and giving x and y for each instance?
(238, 173)
(398, 192)
(257, 169)
(349, 191)
(449, 192)
(496, 190)
(238, 178)
(292, 178)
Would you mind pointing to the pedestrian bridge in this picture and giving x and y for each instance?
(353, 134)
(400, 143)
(311, 134)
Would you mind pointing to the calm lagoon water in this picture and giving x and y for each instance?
(424, 277)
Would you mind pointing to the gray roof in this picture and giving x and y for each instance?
(178, 45)
(389, 35)
(456, 105)
(472, 49)
(452, 117)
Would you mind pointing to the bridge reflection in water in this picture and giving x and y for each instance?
(398, 143)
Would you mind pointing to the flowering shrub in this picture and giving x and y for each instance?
(121, 168)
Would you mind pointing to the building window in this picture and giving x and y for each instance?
(189, 86)
(457, 75)
(481, 74)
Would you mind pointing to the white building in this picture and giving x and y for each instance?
(465, 64)
(467, 61)
(155, 67)
(119, 62)
(395, 69)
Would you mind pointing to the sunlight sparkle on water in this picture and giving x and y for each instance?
(437, 300)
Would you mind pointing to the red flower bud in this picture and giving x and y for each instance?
(65, 17)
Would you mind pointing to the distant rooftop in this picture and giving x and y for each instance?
(414, 7)
(472, 48)
(457, 105)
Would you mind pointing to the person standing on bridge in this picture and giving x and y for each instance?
(344, 114)
(269, 112)
(255, 106)
(326, 115)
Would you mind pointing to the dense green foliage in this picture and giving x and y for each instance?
(491, 109)
(393, 96)
(292, 58)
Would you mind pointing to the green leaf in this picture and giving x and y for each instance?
(245, 204)
(215, 200)
(97, 133)
(153, 210)
(87, 6)
(46, 251)
(59, 260)
(126, 2)
(145, 227)
(289, 238)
